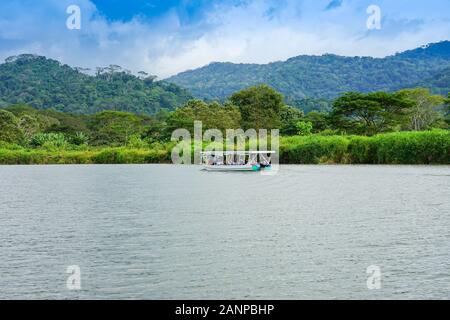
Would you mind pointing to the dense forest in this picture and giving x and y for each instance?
(406, 126)
(325, 77)
(328, 109)
(44, 83)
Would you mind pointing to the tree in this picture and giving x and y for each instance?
(304, 128)
(115, 127)
(424, 112)
(260, 107)
(28, 125)
(43, 84)
(370, 113)
(290, 116)
(9, 128)
(319, 120)
(212, 115)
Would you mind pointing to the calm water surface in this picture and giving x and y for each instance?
(174, 232)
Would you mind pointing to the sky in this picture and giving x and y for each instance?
(165, 37)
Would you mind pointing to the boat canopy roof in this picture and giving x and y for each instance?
(236, 152)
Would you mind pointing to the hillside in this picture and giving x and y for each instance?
(323, 77)
(439, 83)
(44, 83)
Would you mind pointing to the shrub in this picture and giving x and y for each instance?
(429, 147)
(136, 142)
(361, 150)
(314, 149)
(79, 139)
(304, 128)
(426, 147)
(49, 140)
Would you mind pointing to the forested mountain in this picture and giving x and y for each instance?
(326, 76)
(44, 83)
(439, 83)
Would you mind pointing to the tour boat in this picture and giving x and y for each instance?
(236, 160)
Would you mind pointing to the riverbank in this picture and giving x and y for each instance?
(428, 147)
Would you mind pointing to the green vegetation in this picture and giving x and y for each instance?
(44, 83)
(213, 116)
(260, 107)
(309, 82)
(427, 147)
(409, 126)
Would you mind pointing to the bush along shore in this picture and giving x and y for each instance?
(424, 147)
(410, 126)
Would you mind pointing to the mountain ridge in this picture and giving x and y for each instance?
(46, 83)
(337, 73)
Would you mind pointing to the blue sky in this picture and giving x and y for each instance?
(164, 37)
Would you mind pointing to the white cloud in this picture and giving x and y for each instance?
(259, 31)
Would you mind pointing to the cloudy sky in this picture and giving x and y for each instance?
(164, 37)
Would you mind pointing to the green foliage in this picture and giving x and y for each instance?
(429, 147)
(325, 77)
(313, 149)
(44, 83)
(304, 128)
(212, 115)
(115, 127)
(28, 125)
(369, 113)
(312, 104)
(260, 107)
(136, 142)
(424, 112)
(9, 128)
(439, 83)
(79, 139)
(447, 110)
(49, 140)
(320, 120)
(289, 118)
(426, 147)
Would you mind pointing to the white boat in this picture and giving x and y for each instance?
(236, 160)
(237, 167)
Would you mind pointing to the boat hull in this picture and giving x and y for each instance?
(232, 168)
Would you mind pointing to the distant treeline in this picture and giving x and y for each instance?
(359, 128)
(326, 76)
(44, 83)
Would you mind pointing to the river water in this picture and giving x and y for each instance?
(175, 232)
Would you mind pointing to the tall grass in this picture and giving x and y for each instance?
(428, 147)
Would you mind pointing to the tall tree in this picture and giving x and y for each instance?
(290, 116)
(370, 113)
(212, 115)
(9, 128)
(260, 107)
(424, 112)
(115, 127)
(319, 120)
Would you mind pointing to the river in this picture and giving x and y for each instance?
(175, 232)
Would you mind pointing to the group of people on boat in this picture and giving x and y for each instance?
(236, 161)
(219, 161)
